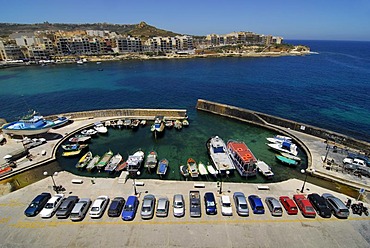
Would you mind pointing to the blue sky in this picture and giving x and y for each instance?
(292, 19)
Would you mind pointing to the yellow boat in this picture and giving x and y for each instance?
(71, 153)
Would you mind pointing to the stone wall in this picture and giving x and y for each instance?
(267, 120)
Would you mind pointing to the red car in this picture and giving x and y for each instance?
(289, 205)
(305, 206)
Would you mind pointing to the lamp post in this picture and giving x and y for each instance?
(134, 183)
(305, 179)
(52, 178)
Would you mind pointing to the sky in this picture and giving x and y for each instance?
(291, 19)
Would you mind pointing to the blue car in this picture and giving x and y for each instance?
(256, 204)
(37, 204)
(129, 210)
(210, 203)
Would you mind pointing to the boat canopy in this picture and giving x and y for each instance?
(241, 149)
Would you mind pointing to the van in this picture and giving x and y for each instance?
(162, 207)
(80, 209)
(256, 204)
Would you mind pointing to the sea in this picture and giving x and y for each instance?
(328, 88)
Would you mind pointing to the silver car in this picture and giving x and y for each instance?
(337, 207)
(80, 209)
(274, 206)
(162, 207)
(147, 209)
(241, 205)
(178, 205)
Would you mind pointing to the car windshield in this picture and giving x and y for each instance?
(146, 209)
(178, 204)
(33, 205)
(128, 208)
(210, 204)
(278, 210)
(95, 209)
(243, 206)
(226, 204)
(309, 209)
(294, 208)
(49, 205)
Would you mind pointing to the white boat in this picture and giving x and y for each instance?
(169, 124)
(279, 139)
(81, 139)
(211, 170)
(192, 168)
(285, 147)
(60, 121)
(184, 170)
(143, 122)
(119, 123)
(178, 124)
(134, 162)
(31, 125)
(243, 158)
(216, 148)
(264, 169)
(151, 160)
(159, 124)
(107, 123)
(100, 128)
(89, 132)
(287, 155)
(135, 124)
(127, 123)
(185, 123)
(113, 162)
(202, 169)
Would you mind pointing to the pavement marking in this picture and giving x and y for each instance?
(55, 223)
(4, 220)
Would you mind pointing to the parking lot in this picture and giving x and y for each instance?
(17, 230)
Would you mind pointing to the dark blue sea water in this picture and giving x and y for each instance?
(329, 89)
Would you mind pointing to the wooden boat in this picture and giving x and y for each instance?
(74, 147)
(263, 168)
(286, 160)
(243, 158)
(143, 122)
(113, 163)
(184, 170)
(192, 168)
(113, 124)
(202, 169)
(92, 164)
(151, 160)
(107, 123)
(121, 166)
(169, 124)
(211, 170)
(71, 153)
(178, 124)
(104, 160)
(162, 167)
(119, 123)
(82, 139)
(127, 122)
(135, 124)
(185, 123)
(287, 155)
(84, 160)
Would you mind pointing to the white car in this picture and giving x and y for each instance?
(98, 207)
(226, 205)
(52, 206)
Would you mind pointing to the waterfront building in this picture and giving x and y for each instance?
(129, 44)
(243, 38)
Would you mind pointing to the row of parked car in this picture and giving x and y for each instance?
(76, 209)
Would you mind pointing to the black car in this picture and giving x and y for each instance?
(320, 205)
(66, 207)
(116, 206)
(210, 203)
(37, 204)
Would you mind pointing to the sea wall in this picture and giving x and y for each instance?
(270, 121)
(148, 114)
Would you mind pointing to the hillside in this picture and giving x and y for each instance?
(142, 30)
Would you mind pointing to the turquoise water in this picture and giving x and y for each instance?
(178, 146)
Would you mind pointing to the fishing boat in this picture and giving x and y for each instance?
(104, 160)
(127, 123)
(134, 162)
(89, 132)
(192, 168)
(121, 166)
(218, 153)
(100, 128)
(279, 139)
(202, 169)
(113, 163)
(178, 124)
(287, 147)
(135, 124)
(169, 124)
(185, 123)
(71, 153)
(243, 158)
(29, 125)
(143, 122)
(60, 121)
(113, 124)
(285, 160)
(162, 167)
(287, 155)
(211, 170)
(151, 160)
(107, 123)
(264, 169)
(92, 164)
(84, 160)
(184, 170)
(158, 125)
(74, 147)
(81, 139)
(119, 123)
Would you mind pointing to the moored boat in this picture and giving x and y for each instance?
(211, 170)
(121, 166)
(81, 139)
(100, 128)
(107, 123)
(243, 158)
(287, 155)
(71, 153)
(279, 139)
(104, 160)
(178, 124)
(84, 160)
(264, 169)
(151, 160)
(158, 125)
(60, 121)
(90, 132)
(74, 147)
(119, 123)
(113, 163)
(134, 162)
(143, 122)
(127, 123)
(192, 168)
(184, 170)
(202, 169)
(162, 167)
(92, 164)
(285, 160)
(287, 147)
(185, 123)
(169, 124)
(135, 124)
(30, 125)
(218, 153)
